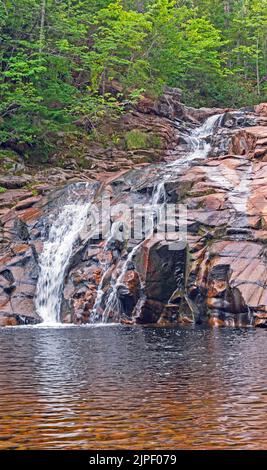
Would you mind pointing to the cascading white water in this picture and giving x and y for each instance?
(159, 193)
(69, 222)
(112, 303)
(55, 258)
(197, 140)
(198, 148)
(100, 291)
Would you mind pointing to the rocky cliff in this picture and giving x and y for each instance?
(217, 276)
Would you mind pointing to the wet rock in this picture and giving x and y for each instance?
(260, 319)
(161, 270)
(129, 291)
(201, 114)
(148, 311)
(168, 105)
(149, 260)
(8, 320)
(21, 229)
(31, 215)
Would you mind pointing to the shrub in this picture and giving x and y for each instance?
(136, 139)
(155, 141)
(8, 154)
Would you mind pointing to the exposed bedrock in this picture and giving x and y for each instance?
(218, 276)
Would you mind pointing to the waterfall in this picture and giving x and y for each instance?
(197, 140)
(56, 254)
(198, 148)
(112, 302)
(159, 193)
(70, 219)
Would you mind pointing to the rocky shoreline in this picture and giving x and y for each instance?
(219, 277)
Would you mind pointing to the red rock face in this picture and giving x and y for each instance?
(229, 273)
(220, 277)
(251, 141)
(261, 109)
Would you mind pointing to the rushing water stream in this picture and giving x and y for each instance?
(55, 257)
(198, 147)
(114, 387)
(70, 220)
(64, 231)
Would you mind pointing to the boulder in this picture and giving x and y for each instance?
(161, 269)
(261, 109)
(251, 141)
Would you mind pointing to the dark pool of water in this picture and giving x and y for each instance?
(113, 387)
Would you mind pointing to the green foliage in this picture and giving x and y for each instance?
(2, 190)
(155, 141)
(95, 107)
(59, 61)
(9, 154)
(118, 47)
(136, 139)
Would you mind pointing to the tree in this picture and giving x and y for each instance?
(58, 59)
(117, 49)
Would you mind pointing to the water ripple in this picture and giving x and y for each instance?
(132, 388)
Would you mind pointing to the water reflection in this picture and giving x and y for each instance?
(118, 387)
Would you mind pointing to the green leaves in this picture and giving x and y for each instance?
(62, 62)
(118, 45)
(20, 67)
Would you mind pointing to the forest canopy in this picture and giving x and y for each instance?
(58, 57)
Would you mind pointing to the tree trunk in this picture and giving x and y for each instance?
(42, 26)
(257, 69)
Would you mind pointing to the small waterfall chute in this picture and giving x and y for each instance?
(199, 140)
(68, 222)
(112, 302)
